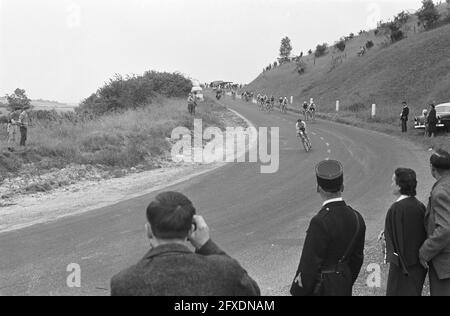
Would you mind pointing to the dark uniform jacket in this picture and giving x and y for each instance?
(405, 113)
(432, 117)
(174, 270)
(328, 237)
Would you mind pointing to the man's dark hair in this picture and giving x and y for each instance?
(170, 215)
(406, 179)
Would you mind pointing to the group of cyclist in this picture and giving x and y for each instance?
(309, 110)
(266, 103)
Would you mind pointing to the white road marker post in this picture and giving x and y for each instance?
(292, 100)
(374, 110)
(337, 106)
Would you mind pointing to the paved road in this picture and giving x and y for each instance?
(260, 219)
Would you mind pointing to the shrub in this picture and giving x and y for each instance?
(357, 107)
(321, 50)
(369, 44)
(18, 100)
(301, 67)
(428, 15)
(340, 45)
(131, 92)
(397, 35)
(402, 18)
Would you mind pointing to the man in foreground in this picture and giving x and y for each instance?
(171, 268)
(435, 252)
(333, 252)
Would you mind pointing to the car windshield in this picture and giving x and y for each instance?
(443, 109)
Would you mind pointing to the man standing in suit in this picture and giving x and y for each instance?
(405, 234)
(171, 268)
(435, 252)
(404, 117)
(432, 121)
(333, 252)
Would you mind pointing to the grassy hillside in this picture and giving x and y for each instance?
(416, 69)
(118, 140)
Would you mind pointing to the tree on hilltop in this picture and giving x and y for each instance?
(18, 100)
(428, 15)
(285, 48)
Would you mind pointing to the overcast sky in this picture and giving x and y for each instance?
(64, 50)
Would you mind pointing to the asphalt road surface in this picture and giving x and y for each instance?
(259, 219)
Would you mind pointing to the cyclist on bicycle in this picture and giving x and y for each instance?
(312, 109)
(301, 130)
(305, 110)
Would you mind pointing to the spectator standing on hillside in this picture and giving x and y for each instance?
(171, 268)
(333, 252)
(432, 121)
(404, 235)
(435, 252)
(192, 103)
(404, 117)
(24, 123)
(12, 131)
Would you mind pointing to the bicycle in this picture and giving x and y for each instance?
(313, 114)
(261, 106)
(306, 143)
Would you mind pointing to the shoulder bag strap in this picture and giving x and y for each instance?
(352, 243)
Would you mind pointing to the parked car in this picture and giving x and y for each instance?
(443, 116)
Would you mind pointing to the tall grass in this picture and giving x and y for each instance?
(115, 140)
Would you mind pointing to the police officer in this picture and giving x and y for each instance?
(333, 252)
(404, 117)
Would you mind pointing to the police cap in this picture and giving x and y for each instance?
(330, 175)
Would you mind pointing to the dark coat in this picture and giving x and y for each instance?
(174, 270)
(405, 113)
(328, 237)
(432, 118)
(405, 234)
(436, 248)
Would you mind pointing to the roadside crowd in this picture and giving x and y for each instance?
(430, 119)
(417, 242)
